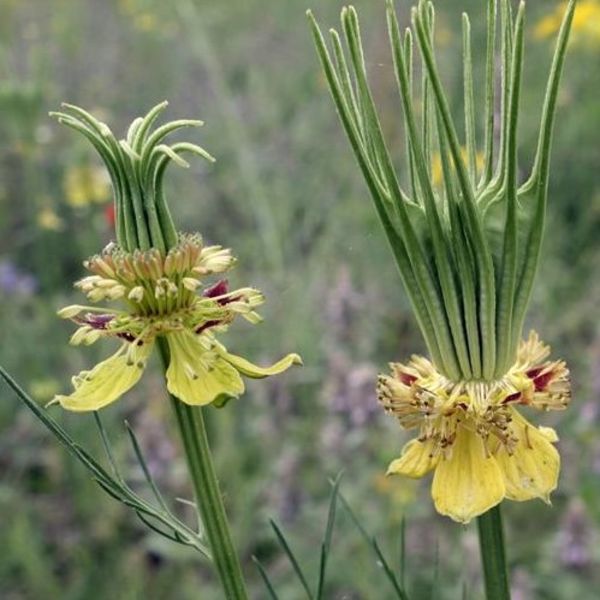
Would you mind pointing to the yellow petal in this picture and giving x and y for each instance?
(415, 460)
(549, 433)
(245, 367)
(108, 380)
(468, 483)
(532, 470)
(198, 376)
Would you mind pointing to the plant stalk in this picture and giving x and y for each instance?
(208, 495)
(493, 555)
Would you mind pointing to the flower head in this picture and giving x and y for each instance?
(164, 295)
(466, 234)
(472, 433)
(159, 278)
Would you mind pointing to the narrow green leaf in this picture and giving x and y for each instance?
(174, 537)
(485, 266)
(398, 588)
(292, 558)
(146, 123)
(454, 347)
(538, 182)
(489, 94)
(426, 107)
(159, 134)
(403, 552)
(461, 247)
(263, 573)
(107, 446)
(116, 488)
(142, 462)
(506, 52)
(326, 545)
(389, 572)
(135, 125)
(508, 272)
(92, 134)
(469, 100)
(408, 277)
(408, 61)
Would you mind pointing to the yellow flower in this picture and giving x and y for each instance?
(471, 433)
(49, 220)
(586, 22)
(86, 185)
(160, 293)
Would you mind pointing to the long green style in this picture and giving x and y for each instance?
(136, 166)
(468, 248)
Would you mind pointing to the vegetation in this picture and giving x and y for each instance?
(284, 196)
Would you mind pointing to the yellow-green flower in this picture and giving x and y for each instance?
(160, 296)
(471, 433)
(466, 232)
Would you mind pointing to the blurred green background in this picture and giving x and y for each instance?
(286, 195)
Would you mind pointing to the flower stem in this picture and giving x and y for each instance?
(208, 496)
(493, 555)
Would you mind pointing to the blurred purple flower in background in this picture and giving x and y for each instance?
(15, 282)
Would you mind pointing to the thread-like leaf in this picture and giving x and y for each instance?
(292, 558)
(263, 573)
(115, 487)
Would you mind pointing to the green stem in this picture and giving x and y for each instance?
(208, 496)
(493, 555)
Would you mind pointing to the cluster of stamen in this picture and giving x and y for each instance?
(161, 293)
(420, 397)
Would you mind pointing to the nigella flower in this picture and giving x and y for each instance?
(164, 295)
(159, 277)
(466, 236)
(472, 433)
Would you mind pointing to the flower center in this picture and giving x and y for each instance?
(160, 292)
(420, 397)
(154, 284)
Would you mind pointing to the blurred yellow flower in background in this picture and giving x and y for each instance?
(48, 219)
(146, 21)
(437, 172)
(40, 389)
(86, 185)
(586, 22)
(400, 496)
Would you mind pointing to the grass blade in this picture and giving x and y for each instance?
(388, 571)
(263, 573)
(292, 558)
(326, 545)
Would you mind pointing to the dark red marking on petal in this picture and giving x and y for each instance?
(95, 321)
(407, 378)
(541, 382)
(218, 289)
(513, 398)
(128, 338)
(533, 373)
(206, 325)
